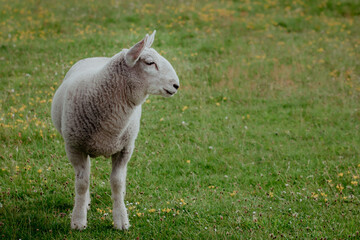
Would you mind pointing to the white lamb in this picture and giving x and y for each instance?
(97, 111)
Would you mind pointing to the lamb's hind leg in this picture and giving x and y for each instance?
(118, 188)
(81, 164)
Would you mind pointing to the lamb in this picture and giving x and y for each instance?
(97, 110)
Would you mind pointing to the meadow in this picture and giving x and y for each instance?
(262, 140)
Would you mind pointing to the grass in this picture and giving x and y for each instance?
(262, 141)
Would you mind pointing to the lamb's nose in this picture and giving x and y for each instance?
(176, 86)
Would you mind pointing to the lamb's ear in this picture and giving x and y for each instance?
(151, 39)
(134, 52)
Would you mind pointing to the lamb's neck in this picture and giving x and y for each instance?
(113, 106)
(120, 87)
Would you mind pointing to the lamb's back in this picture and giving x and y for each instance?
(86, 67)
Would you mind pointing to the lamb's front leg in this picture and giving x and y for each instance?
(118, 188)
(81, 164)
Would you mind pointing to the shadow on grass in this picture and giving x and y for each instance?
(49, 218)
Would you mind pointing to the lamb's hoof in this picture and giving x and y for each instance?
(78, 226)
(122, 226)
(88, 207)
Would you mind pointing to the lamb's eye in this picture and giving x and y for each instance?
(151, 62)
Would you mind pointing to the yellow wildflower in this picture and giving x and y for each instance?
(314, 195)
(182, 201)
(333, 73)
(166, 210)
(339, 187)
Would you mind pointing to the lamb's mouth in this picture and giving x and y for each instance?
(168, 92)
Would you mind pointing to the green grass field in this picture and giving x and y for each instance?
(262, 141)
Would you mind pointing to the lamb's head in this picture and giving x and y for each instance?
(154, 70)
